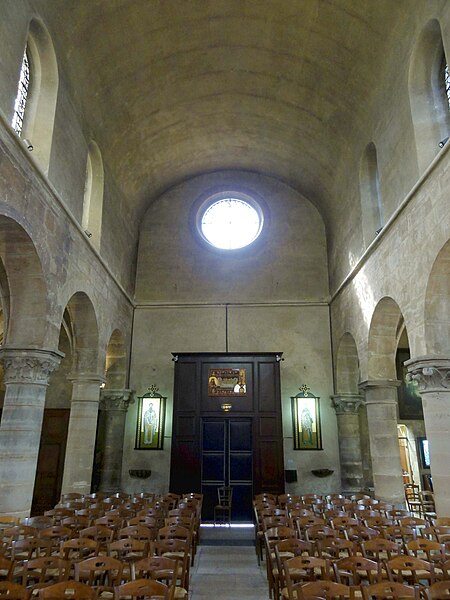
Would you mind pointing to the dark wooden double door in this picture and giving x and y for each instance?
(243, 447)
(227, 459)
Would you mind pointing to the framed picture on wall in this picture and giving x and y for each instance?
(150, 421)
(306, 421)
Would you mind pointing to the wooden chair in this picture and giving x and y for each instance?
(302, 523)
(440, 590)
(58, 514)
(114, 522)
(102, 573)
(410, 570)
(13, 591)
(19, 532)
(142, 588)
(400, 535)
(319, 589)
(428, 505)
(29, 548)
(78, 549)
(44, 571)
(283, 550)
(306, 568)
(38, 522)
(335, 548)
(359, 533)
(413, 501)
(445, 521)
(128, 551)
(427, 550)
(66, 590)
(7, 521)
(137, 532)
(389, 590)
(6, 568)
(76, 523)
(56, 535)
(178, 550)
(357, 570)
(223, 508)
(102, 534)
(380, 549)
(167, 570)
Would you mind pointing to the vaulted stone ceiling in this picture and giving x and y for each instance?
(173, 88)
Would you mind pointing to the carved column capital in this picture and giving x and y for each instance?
(346, 404)
(116, 400)
(29, 365)
(432, 373)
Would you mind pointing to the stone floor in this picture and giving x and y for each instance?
(228, 571)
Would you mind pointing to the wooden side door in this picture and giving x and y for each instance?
(50, 467)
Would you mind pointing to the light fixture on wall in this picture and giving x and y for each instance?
(443, 142)
(226, 407)
(29, 145)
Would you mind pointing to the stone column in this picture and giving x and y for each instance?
(381, 402)
(432, 373)
(81, 435)
(27, 372)
(113, 411)
(347, 409)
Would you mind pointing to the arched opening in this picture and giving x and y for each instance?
(116, 362)
(93, 195)
(347, 366)
(371, 201)
(39, 112)
(427, 93)
(437, 305)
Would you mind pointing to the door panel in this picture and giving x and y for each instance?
(52, 450)
(227, 460)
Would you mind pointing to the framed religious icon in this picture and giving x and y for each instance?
(306, 420)
(150, 420)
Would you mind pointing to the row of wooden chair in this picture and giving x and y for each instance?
(74, 590)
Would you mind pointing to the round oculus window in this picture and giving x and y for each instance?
(230, 222)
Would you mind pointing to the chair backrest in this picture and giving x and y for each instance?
(78, 549)
(322, 589)
(103, 571)
(13, 591)
(141, 588)
(411, 568)
(225, 495)
(6, 568)
(389, 590)
(357, 570)
(439, 590)
(45, 569)
(68, 590)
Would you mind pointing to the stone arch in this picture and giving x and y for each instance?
(39, 118)
(429, 105)
(347, 366)
(385, 327)
(84, 325)
(116, 362)
(437, 305)
(23, 288)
